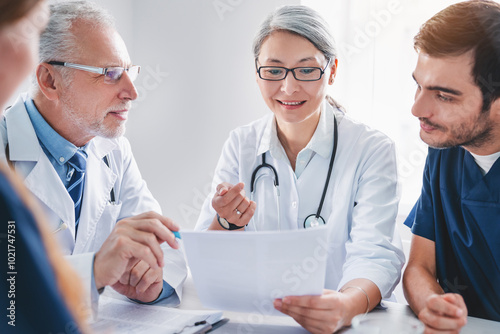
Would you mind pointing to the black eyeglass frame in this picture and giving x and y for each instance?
(322, 71)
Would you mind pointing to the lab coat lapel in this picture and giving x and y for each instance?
(99, 180)
(40, 176)
(23, 142)
(45, 184)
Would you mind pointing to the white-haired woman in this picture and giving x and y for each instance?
(330, 169)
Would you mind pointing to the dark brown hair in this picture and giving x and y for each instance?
(467, 26)
(13, 10)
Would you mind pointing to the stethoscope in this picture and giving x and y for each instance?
(63, 226)
(315, 219)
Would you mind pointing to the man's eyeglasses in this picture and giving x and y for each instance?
(111, 74)
(277, 73)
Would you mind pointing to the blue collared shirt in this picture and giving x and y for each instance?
(59, 151)
(55, 147)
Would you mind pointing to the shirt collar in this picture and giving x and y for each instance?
(270, 141)
(60, 149)
(321, 142)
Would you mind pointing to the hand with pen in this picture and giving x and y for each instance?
(131, 259)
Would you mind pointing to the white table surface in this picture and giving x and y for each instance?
(243, 323)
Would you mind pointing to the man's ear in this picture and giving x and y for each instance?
(495, 109)
(48, 81)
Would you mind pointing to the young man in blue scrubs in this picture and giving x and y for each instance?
(454, 265)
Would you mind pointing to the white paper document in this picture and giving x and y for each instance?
(118, 316)
(246, 271)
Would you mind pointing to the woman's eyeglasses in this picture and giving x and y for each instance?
(277, 73)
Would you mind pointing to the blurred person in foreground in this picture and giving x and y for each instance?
(40, 291)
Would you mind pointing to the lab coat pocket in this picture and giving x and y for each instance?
(106, 223)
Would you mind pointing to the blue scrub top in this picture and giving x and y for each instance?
(459, 209)
(38, 306)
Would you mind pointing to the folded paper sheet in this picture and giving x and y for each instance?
(246, 271)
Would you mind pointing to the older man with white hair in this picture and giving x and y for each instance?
(65, 139)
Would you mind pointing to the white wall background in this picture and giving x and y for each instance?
(197, 83)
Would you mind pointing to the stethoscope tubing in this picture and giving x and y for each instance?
(330, 167)
(264, 164)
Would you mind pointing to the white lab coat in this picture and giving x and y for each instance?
(98, 216)
(362, 239)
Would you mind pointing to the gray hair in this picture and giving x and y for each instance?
(57, 41)
(300, 20)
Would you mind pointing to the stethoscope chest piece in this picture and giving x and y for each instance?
(313, 221)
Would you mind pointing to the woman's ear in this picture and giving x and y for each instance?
(46, 78)
(333, 72)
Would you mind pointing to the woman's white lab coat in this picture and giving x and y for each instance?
(98, 215)
(361, 202)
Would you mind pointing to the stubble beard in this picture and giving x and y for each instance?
(95, 127)
(466, 135)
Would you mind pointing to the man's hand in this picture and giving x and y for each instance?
(134, 239)
(440, 312)
(141, 282)
(445, 313)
